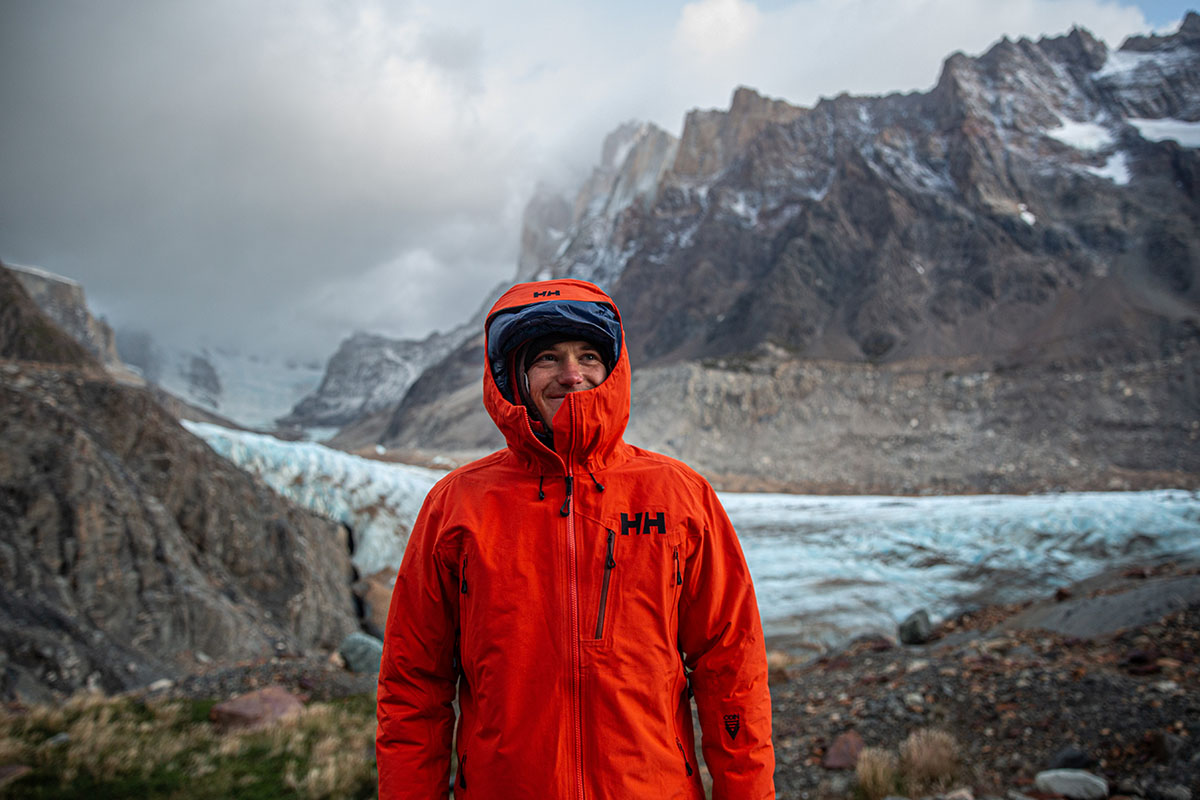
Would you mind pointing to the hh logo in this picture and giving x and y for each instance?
(547, 293)
(642, 522)
(733, 724)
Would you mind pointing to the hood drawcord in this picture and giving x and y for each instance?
(541, 491)
(599, 485)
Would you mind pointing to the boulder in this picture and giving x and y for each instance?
(843, 753)
(1075, 784)
(916, 628)
(361, 652)
(256, 709)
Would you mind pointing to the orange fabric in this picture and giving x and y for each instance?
(572, 625)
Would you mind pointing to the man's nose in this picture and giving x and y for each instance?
(570, 374)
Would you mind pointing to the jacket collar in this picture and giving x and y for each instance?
(589, 425)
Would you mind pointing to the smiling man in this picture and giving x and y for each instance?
(574, 592)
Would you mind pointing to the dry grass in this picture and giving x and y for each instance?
(928, 761)
(91, 742)
(877, 773)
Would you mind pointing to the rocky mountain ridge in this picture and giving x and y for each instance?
(367, 374)
(1032, 218)
(129, 550)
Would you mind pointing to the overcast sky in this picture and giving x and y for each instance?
(283, 172)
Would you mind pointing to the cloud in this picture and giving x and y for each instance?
(281, 173)
(709, 28)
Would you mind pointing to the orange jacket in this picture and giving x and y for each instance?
(573, 597)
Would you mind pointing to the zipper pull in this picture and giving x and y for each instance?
(464, 575)
(566, 506)
(683, 753)
(610, 562)
(678, 574)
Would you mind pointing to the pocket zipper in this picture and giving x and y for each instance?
(610, 563)
(683, 753)
(678, 573)
(463, 588)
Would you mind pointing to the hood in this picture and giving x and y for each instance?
(589, 425)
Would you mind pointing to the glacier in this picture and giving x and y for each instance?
(825, 568)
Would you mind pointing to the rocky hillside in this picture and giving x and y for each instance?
(992, 285)
(129, 551)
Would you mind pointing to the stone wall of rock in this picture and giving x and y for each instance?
(129, 550)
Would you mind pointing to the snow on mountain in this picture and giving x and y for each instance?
(250, 389)
(1186, 134)
(825, 568)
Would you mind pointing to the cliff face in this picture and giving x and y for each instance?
(128, 549)
(63, 301)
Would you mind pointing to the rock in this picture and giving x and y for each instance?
(916, 628)
(777, 675)
(1070, 757)
(1165, 747)
(13, 772)
(962, 793)
(362, 652)
(1072, 783)
(843, 753)
(1169, 792)
(62, 299)
(255, 709)
(375, 593)
(183, 553)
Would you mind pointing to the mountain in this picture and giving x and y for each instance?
(249, 388)
(368, 373)
(990, 285)
(129, 550)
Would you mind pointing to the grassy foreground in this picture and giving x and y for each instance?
(99, 747)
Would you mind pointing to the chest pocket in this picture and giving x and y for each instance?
(631, 571)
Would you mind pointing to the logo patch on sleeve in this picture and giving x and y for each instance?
(733, 724)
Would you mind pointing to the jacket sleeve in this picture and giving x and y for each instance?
(418, 673)
(721, 637)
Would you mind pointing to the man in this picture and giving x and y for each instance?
(575, 591)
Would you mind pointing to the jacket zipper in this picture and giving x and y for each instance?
(568, 511)
(678, 573)
(609, 564)
(682, 752)
(463, 588)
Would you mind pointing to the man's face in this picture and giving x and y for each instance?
(557, 370)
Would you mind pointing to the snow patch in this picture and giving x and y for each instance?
(1187, 134)
(1026, 215)
(1121, 66)
(1115, 169)
(744, 208)
(1087, 136)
